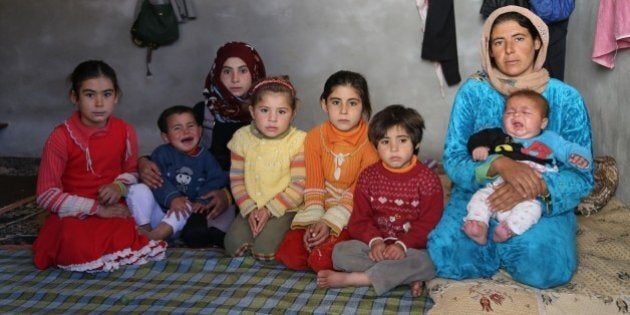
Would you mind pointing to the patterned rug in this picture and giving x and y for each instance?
(601, 284)
(20, 222)
(189, 281)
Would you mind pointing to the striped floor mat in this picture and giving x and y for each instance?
(187, 281)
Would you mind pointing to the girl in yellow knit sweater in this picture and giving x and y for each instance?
(267, 171)
(335, 153)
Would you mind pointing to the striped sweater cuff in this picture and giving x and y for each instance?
(276, 208)
(246, 207)
(336, 218)
(307, 217)
(314, 197)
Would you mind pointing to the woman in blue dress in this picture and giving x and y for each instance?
(513, 50)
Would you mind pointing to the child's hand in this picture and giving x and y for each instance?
(112, 211)
(149, 173)
(578, 161)
(316, 234)
(257, 220)
(394, 252)
(377, 251)
(180, 207)
(109, 194)
(480, 153)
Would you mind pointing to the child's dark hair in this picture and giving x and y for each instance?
(353, 79)
(173, 110)
(91, 69)
(397, 115)
(534, 96)
(277, 84)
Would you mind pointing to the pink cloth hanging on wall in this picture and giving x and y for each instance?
(612, 32)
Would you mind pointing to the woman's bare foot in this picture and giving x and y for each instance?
(336, 279)
(161, 232)
(502, 233)
(415, 288)
(477, 231)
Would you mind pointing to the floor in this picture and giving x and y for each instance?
(15, 188)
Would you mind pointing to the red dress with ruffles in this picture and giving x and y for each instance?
(76, 162)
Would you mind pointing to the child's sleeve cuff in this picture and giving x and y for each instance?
(481, 172)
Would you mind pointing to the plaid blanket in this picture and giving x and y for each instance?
(187, 281)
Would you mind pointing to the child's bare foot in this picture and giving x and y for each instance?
(336, 279)
(502, 233)
(477, 231)
(415, 288)
(161, 232)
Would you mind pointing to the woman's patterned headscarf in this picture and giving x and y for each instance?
(223, 105)
(538, 78)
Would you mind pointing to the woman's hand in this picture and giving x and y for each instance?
(316, 234)
(217, 202)
(526, 181)
(504, 198)
(109, 194)
(149, 173)
(198, 207)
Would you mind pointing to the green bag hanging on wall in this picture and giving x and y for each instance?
(155, 25)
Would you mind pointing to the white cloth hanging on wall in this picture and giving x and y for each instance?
(612, 32)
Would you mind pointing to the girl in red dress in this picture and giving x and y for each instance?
(87, 163)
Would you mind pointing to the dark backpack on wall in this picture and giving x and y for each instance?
(156, 25)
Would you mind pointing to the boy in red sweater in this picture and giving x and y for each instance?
(397, 202)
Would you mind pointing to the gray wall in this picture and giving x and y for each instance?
(309, 40)
(606, 92)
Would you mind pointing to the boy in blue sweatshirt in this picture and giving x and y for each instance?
(190, 175)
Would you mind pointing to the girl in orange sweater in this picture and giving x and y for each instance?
(335, 153)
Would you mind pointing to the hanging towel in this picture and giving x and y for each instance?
(612, 32)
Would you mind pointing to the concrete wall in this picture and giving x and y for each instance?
(42, 41)
(606, 92)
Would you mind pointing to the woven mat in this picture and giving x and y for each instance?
(187, 281)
